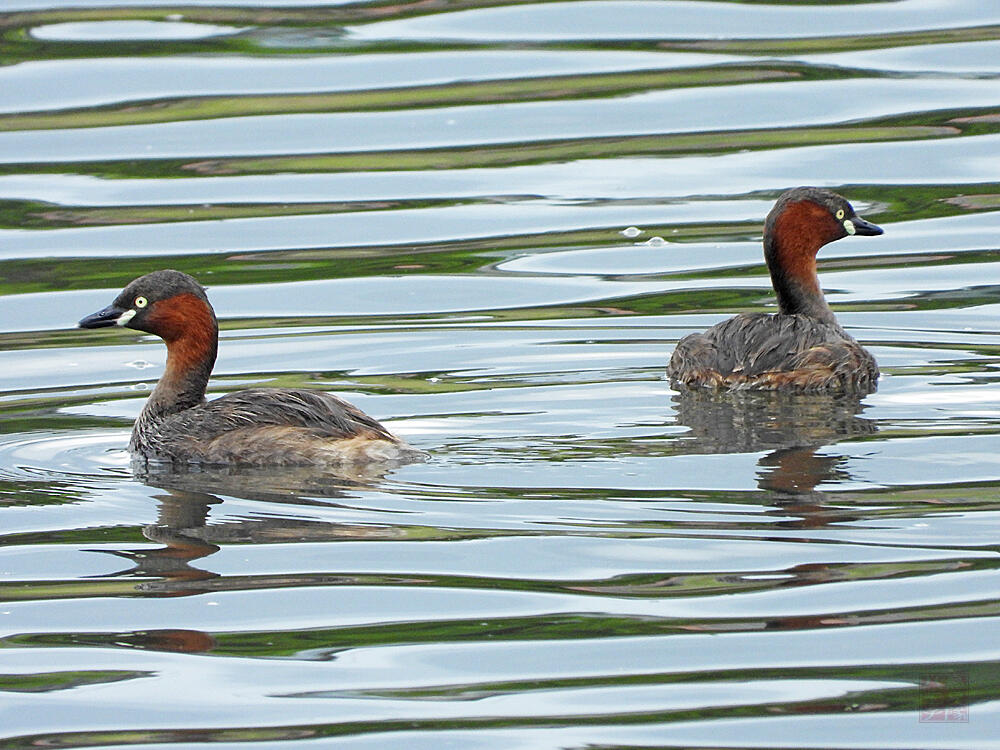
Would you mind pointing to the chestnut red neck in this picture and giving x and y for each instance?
(188, 325)
(792, 237)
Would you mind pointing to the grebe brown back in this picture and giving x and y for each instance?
(802, 347)
(259, 426)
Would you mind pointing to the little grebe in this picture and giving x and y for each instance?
(259, 426)
(802, 347)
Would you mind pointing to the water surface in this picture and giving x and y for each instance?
(487, 224)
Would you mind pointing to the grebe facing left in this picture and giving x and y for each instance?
(802, 347)
(259, 426)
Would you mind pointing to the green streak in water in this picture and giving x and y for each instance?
(408, 98)
(46, 682)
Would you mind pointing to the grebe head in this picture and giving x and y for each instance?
(812, 217)
(168, 304)
(801, 222)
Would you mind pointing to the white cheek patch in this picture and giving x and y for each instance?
(125, 317)
(849, 226)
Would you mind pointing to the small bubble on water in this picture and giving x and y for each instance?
(631, 232)
(139, 387)
(656, 242)
(139, 364)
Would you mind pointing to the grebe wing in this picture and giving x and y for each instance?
(272, 426)
(317, 411)
(747, 344)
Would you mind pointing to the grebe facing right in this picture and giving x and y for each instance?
(802, 347)
(259, 426)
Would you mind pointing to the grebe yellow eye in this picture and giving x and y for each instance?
(840, 213)
(141, 302)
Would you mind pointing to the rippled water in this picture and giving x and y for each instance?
(424, 207)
